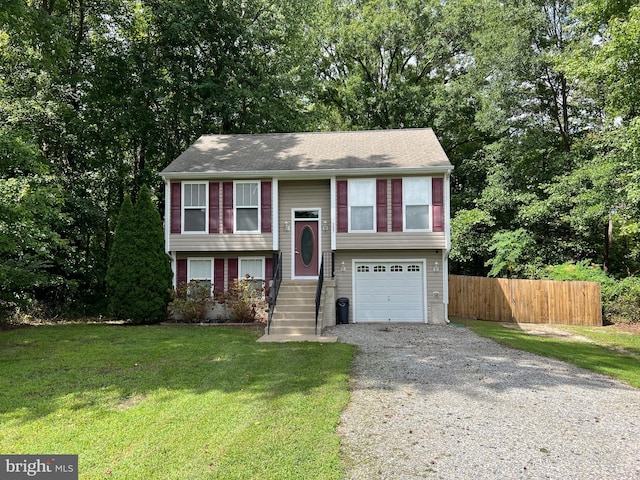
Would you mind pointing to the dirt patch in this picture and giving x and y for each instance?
(547, 331)
(633, 328)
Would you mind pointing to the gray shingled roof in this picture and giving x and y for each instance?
(316, 151)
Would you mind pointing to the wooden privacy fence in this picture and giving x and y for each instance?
(525, 301)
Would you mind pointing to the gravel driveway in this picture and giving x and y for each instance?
(441, 402)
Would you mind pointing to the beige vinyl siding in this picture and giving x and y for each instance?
(344, 284)
(390, 240)
(226, 256)
(300, 195)
(216, 242)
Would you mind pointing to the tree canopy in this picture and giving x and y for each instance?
(536, 102)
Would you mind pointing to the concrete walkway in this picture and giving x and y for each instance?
(278, 338)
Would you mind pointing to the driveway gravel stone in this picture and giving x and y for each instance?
(441, 402)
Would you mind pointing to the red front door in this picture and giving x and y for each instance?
(306, 248)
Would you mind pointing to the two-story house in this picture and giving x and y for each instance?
(371, 208)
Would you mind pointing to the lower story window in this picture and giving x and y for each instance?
(201, 271)
(252, 270)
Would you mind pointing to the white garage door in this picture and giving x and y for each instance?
(389, 291)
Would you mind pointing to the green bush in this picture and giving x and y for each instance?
(245, 299)
(623, 301)
(620, 298)
(191, 302)
(139, 272)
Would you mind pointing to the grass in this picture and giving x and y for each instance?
(173, 402)
(614, 354)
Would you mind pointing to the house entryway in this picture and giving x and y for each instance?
(306, 241)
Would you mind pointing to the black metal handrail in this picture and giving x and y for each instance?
(319, 290)
(275, 288)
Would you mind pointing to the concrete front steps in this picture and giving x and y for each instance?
(294, 318)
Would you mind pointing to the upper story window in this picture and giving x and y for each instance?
(416, 194)
(194, 207)
(362, 205)
(247, 206)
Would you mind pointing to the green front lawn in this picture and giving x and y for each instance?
(173, 402)
(613, 353)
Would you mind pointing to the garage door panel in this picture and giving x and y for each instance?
(389, 292)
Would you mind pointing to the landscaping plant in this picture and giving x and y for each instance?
(139, 274)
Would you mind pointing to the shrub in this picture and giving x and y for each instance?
(245, 300)
(622, 303)
(139, 271)
(190, 302)
(620, 298)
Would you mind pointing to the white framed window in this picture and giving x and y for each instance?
(362, 205)
(201, 271)
(252, 269)
(416, 193)
(195, 207)
(247, 206)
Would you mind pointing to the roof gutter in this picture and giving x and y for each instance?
(306, 174)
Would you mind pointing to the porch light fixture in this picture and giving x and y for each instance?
(287, 226)
(436, 267)
(325, 226)
(343, 267)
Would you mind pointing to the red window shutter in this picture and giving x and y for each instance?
(214, 207)
(227, 207)
(437, 203)
(343, 206)
(266, 206)
(181, 271)
(176, 207)
(396, 205)
(218, 274)
(381, 205)
(268, 268)
(233, 270)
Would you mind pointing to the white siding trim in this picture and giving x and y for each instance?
(333, 213)
(167, 214)
(174, 265)
(275, 209)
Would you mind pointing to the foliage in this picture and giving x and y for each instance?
(191, 301)
(149, 402)
(535, 102)
(620, 298)
(246, 300)
(153, 267)
(139, 273)
(121, 274)
(622, 301)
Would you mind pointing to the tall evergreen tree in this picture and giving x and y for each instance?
(153, 268)
(121, 271)
(139, 274)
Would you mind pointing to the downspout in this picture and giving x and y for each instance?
(447, 242)
(333, 214)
